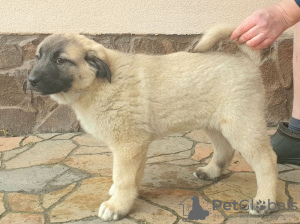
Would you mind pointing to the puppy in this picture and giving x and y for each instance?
(129, 100)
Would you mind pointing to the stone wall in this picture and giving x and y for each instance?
(23, 112)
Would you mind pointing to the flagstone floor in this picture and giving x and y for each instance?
(63, 178)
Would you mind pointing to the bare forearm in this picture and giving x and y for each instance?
(289, 10)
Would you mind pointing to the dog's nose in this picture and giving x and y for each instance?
(33, 81)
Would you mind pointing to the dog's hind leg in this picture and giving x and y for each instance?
(223, 153)
(128, 169)
(251, 140)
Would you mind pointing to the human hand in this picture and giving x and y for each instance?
(262, 28)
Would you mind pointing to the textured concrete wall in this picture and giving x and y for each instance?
(122, 16)
(23, 112)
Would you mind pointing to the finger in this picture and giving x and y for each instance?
(242, 28)
(238, 32)
(263, 44)
(248, 35)
(256, 40)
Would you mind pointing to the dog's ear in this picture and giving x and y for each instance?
(101, 66)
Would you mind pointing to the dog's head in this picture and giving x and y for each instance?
(67, 62)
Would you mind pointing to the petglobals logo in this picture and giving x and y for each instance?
(192, 209)
(260, 205)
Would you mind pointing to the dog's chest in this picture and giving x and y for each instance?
(90, 123)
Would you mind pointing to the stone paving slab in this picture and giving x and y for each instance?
(7, 144)
(63, 178)
(24, 218)
(29, 180)
(24, 202)
(31, 140)
(46, 152)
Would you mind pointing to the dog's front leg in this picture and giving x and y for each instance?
(128, 169)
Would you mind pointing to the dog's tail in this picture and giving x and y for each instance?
(223, 32)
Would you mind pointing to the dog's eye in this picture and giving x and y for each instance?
(60, 60)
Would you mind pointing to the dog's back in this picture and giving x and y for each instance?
(188, 89)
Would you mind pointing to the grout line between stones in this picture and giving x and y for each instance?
(207, 199)
(132, 219)
(72, 152)
(78, 184)
(21, 142)
(2, 166)
(287, 193)
(51, 138)
(160, 206)
(90, 218)
(286, 171)
(6, 205)
(165, 154)
(29, 147)
(290, 182)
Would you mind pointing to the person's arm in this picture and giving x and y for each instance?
(265, 25)
(290, 10)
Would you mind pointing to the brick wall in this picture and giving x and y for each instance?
(23, 112)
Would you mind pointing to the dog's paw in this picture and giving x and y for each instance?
(107, 212)
(203, 174)
(111, 190)
(261, 207)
